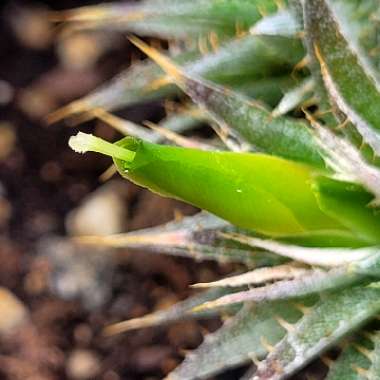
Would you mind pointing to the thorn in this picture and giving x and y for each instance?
(108, 173)
(203, 307)
(344, 344)
(310, 377)
(125, 127)
(363, 350)
(157, 84)
(177, 138)
(320, 113)
(239, 30)
(264, 342)
(309, 102)
(305, 310)
(320, 59)
(76, 120)
(304, 62)
(262, 10)
(260, 105)
(300, 34)
(130, 324)
(204, 331)
(254, 359)
(178, 215)
(112, 120)
(93, 14)
(214, 41)
(343, 125)
(202, 46)
(360, 371)
(184, 352)
(63, 112)
(374, 157)
(192, 251)
(172, 69)
(289, 327)
(368, 335)
(328, 362)
(280, 4)
(362, 145)
(224, 316)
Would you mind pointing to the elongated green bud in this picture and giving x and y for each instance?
(255, 191)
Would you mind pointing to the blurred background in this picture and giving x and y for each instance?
(55, 297)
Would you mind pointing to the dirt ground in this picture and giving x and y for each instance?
(52, 332)
(53, 302)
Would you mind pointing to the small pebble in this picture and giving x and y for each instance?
(104, 212)
(77, 273)
(82, 365)
(13, 312)
(32, 27)
(7, 140)
(80, 51)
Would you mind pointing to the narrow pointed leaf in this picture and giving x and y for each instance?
(179, 311)
(127, 88)
(335, 316)
(258, 276)
(278, 136)
(360, 265)
(239, 341)
(310, 283)
(245, 63)
(171, 18)
(345, 71)
(195, 237)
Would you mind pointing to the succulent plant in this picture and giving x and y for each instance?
(293, 90)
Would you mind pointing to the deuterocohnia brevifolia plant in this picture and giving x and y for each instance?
(290, 186)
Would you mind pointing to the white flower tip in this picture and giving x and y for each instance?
(81, 143)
